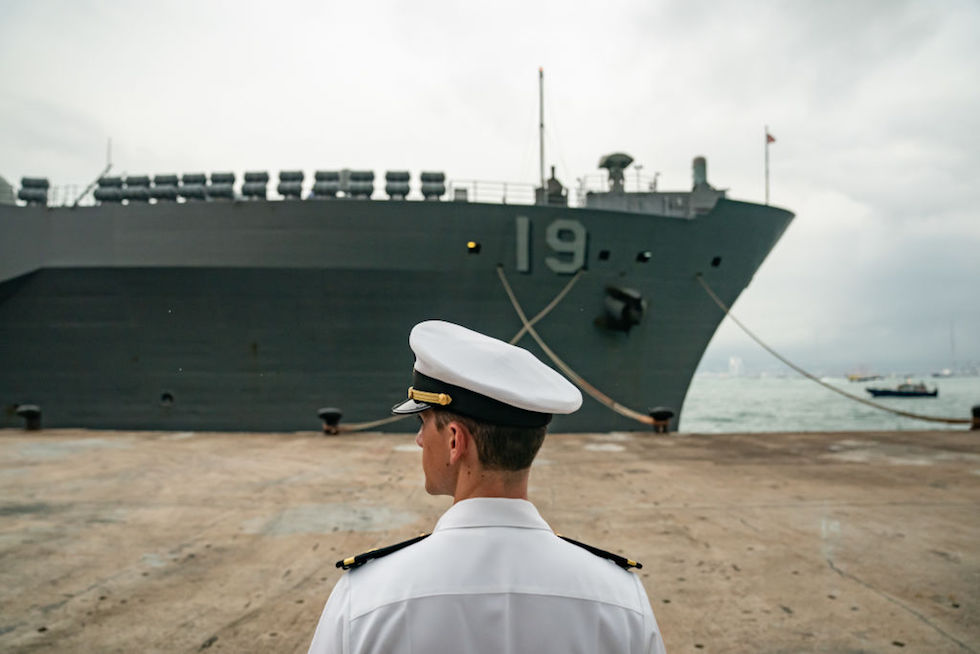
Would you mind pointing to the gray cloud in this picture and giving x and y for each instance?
(874, 106)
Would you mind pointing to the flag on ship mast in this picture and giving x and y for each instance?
(769, 139)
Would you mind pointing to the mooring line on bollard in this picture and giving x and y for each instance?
(906, 414)
(528, 328)
(361, 426)
(594, 392)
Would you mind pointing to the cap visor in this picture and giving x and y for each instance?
(410, 406)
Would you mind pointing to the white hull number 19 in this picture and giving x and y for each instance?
(565, 237)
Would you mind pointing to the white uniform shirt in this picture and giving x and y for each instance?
(493, 578)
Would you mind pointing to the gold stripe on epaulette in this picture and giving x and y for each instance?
(621, 561)
(429, 398)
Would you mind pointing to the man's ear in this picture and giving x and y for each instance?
(460, 440)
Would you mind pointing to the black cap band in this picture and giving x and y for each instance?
(474, 405)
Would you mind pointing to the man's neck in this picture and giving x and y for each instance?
(491, 483)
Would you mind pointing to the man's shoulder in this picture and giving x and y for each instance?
(358, 560)
(622, 561)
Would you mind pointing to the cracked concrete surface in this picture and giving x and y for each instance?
(188, 542)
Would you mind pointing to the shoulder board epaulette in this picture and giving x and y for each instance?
(621, 561)
(360, 559)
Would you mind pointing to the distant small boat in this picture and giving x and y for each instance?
(907, 389)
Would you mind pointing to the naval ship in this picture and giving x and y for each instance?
(205, 302)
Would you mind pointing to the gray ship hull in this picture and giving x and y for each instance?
(252, 315)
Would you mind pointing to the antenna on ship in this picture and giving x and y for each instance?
(105, 171)
(541, 127)
(551, 190)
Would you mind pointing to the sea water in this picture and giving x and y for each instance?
(717, 404)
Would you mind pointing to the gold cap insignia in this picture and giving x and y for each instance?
(429, 398)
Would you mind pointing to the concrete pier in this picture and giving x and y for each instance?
(189, 542)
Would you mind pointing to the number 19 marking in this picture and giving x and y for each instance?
(564, 236)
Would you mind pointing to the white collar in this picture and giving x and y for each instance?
(491, 512)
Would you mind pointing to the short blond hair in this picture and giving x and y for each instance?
(498, 447)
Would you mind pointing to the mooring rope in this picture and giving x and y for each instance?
(571, 374)
(906, 414)
(361, 426)
(551, 305)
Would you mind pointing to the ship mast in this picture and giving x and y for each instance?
(541, 125)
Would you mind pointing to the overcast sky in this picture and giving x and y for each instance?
(875, 107)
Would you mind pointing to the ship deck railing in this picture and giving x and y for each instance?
(457, 190)
(474, 190)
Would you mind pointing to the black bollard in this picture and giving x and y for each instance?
(976, 418)
(661, 419)
(331, 420)
(31, 413)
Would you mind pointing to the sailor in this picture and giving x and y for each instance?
(492, 576)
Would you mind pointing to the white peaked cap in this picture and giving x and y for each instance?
(492, 380)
